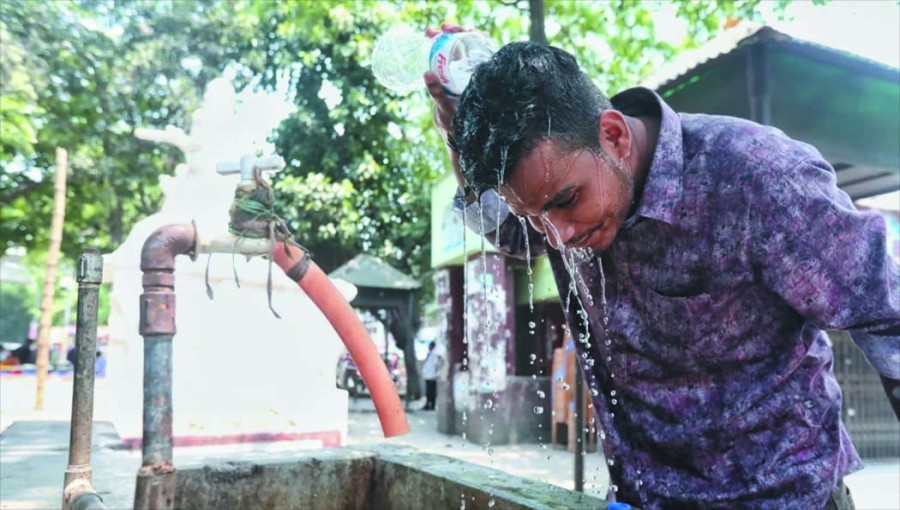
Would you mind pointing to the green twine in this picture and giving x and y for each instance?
(253, 216)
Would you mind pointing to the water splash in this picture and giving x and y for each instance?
(528, 270)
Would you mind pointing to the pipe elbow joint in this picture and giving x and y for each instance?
(165, 243)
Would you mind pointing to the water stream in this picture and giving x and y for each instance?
(483, 348)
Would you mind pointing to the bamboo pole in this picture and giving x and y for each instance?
(56, 230)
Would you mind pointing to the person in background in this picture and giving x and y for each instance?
(100, 365)
(27, 352)
(430, 373)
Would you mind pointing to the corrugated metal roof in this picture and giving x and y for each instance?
(723, 43)
(368, 271)
(745, 33)
(859, 175)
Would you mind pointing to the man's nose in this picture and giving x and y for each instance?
(566, 233)
(557, 232)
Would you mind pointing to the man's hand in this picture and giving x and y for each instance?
(445, 107)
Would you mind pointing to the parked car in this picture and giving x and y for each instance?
(349, 378)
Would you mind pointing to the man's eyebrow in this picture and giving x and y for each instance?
(560, 196)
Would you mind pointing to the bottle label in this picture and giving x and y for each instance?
(439, 58)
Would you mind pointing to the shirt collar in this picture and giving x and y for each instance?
(663, 187)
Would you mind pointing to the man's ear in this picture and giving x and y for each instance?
(614, 134)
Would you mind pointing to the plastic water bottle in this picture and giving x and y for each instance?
(402, 55)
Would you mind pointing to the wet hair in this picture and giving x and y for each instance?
(526, 93)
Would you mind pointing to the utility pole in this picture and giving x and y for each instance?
(536, 13)
(56, 229)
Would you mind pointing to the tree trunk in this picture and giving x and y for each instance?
(536, 12)
(56, 230)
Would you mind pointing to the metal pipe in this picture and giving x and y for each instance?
(87, 501)
(77, 482)
(230, 243)
(156, 478)
(157, 442)
(579, 427)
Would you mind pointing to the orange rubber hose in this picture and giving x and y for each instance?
(354, 335)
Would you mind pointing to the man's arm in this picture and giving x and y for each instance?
(830, 262)
(486, 215)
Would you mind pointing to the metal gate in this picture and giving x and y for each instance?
(866, 413)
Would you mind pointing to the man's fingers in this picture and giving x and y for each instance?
(452, 27)
(446, 28)
(433, 83)
(444, 101)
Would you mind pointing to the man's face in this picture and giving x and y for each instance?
(577, 199)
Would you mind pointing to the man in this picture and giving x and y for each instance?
(701, 258)
(27, 352)
(430, 373)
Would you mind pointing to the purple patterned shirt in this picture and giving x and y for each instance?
(713, 379)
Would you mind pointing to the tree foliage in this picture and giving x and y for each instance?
(362, 158)
(82, 74)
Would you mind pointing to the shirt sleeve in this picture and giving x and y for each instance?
(513, 237)
(828, 260)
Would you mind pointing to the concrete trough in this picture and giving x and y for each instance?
(378, 478)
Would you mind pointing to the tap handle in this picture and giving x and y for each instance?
(248, 164)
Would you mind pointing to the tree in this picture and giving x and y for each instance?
(358, 176)
(82, 75)
(361, 158)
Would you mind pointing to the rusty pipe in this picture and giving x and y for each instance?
(87, 501)
(297, 265)
(156, 478)
(77, 490)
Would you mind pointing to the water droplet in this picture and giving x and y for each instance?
(612, 393)
(490, 451)
(611, 462)
(488, 404)
(541, 394)
(538, 410)
(532, 325)
(565, 386)
(491, 503)
(615, 488)
(615, 401)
